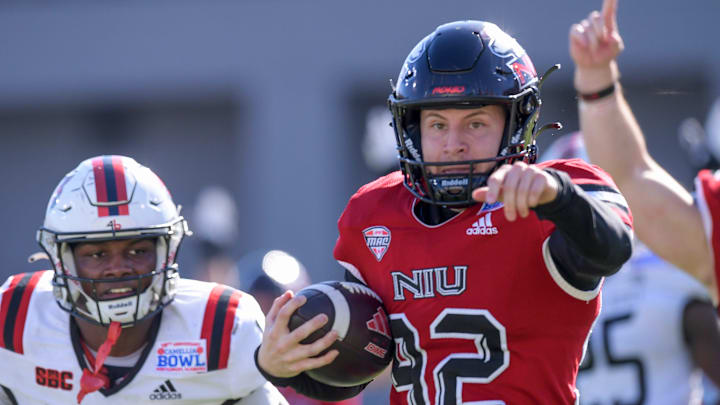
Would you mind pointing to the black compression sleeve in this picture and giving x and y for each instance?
(310, 388)
(590, 240)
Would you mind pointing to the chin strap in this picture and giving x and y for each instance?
(93, 381)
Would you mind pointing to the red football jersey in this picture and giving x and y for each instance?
(478, 310)
(707, 186)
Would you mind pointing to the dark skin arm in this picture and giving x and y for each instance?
(702, 333)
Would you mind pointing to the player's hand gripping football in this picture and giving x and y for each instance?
(595, 43)
(520, 187)
(281, 353)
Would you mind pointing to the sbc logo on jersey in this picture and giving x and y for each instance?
(377, 239)
(181, 356)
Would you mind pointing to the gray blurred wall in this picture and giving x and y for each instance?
(267, 98)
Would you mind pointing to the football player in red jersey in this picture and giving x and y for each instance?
(489, 266)
(679, 228)
(114, 323)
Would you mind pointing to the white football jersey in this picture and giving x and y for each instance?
(637, 352)
(200, 350)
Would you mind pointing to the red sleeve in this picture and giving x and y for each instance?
(363, 240)
(707, 187)
(346, 250)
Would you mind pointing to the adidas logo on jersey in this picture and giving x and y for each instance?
(166, 390)
(483, 226)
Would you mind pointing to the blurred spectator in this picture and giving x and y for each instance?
(216, 219)
(379, 150)
(702, 144)
(270, 273)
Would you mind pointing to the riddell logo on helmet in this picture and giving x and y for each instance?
(454, 182)
(449, 90)
(119, 305)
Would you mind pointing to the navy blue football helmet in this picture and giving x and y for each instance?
(463, 64)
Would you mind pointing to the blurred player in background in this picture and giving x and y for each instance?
(488, 265)
(651, 340)
(215, 225)
(114, 323)
(702, 144)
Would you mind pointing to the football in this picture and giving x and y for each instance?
(364, 342)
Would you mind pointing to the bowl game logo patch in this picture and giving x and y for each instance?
(377, 239)
(184, 356)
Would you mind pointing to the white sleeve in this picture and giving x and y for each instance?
(5, 399)
(246, 337)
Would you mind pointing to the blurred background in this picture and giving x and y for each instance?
(269, 112)
(270, 104)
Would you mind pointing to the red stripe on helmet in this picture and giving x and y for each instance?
(100, 186)
(119, 170)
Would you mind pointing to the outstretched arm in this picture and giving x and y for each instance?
(665, 217)
(590, 240)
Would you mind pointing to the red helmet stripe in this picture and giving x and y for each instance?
(121, 189)
(100, 186)
(110, 185)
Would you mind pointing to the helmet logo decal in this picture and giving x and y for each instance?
(501, 44)
(377, 239)
(449, 90)
(114, 225)
(411, 147)
(110, 186)
(505, 46)
(59, 189)
(523, 69)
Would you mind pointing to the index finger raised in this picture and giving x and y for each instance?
(609, 13)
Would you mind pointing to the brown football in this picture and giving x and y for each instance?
(357, 314)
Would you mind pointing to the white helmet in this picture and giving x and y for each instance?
(108, 198)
